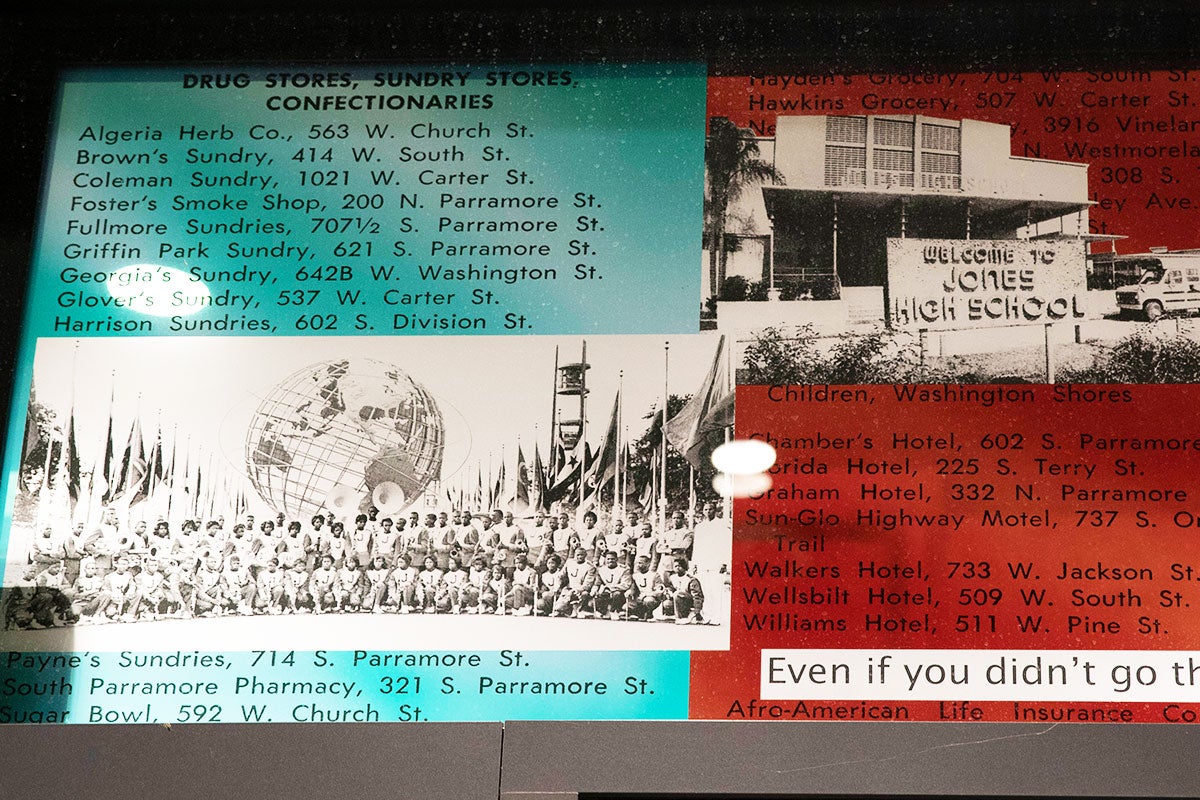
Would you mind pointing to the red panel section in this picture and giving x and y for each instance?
(964, 518)
(1139, 131)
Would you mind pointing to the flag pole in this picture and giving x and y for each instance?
(170, 470)
(691, 494)
(618, 495)
(662, 505)
(97, 501)
(194, 459)
(171, 473)
(212, 495)
(727, 499)
(186, 482)
(68, 454)
(43, 507)
(628, 457)
(650, 512)
(582, 425)
(554, 417)
(128, 492)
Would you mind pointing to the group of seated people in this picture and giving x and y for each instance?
(454, 563)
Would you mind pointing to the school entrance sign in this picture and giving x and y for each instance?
(951, 284)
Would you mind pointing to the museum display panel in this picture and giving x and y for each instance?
(387, 390)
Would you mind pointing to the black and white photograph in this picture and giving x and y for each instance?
(443, 492)
(909, 248)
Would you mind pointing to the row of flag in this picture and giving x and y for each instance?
(179, 479)
(694, 431)
(173, 477)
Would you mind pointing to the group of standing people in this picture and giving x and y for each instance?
(449, 562)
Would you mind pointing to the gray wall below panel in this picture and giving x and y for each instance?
(727, 758)
(438, 761)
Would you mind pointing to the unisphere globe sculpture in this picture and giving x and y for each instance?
(343, 427)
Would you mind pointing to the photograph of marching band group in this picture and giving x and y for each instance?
(261, 479)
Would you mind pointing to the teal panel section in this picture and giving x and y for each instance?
(341, 686)
(365, 200)
(465, 206)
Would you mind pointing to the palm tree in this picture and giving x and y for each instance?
(731, 161)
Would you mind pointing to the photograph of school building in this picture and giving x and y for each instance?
(928, 229)
(839, 187)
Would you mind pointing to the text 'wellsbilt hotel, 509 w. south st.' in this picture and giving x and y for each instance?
(1026, 548)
